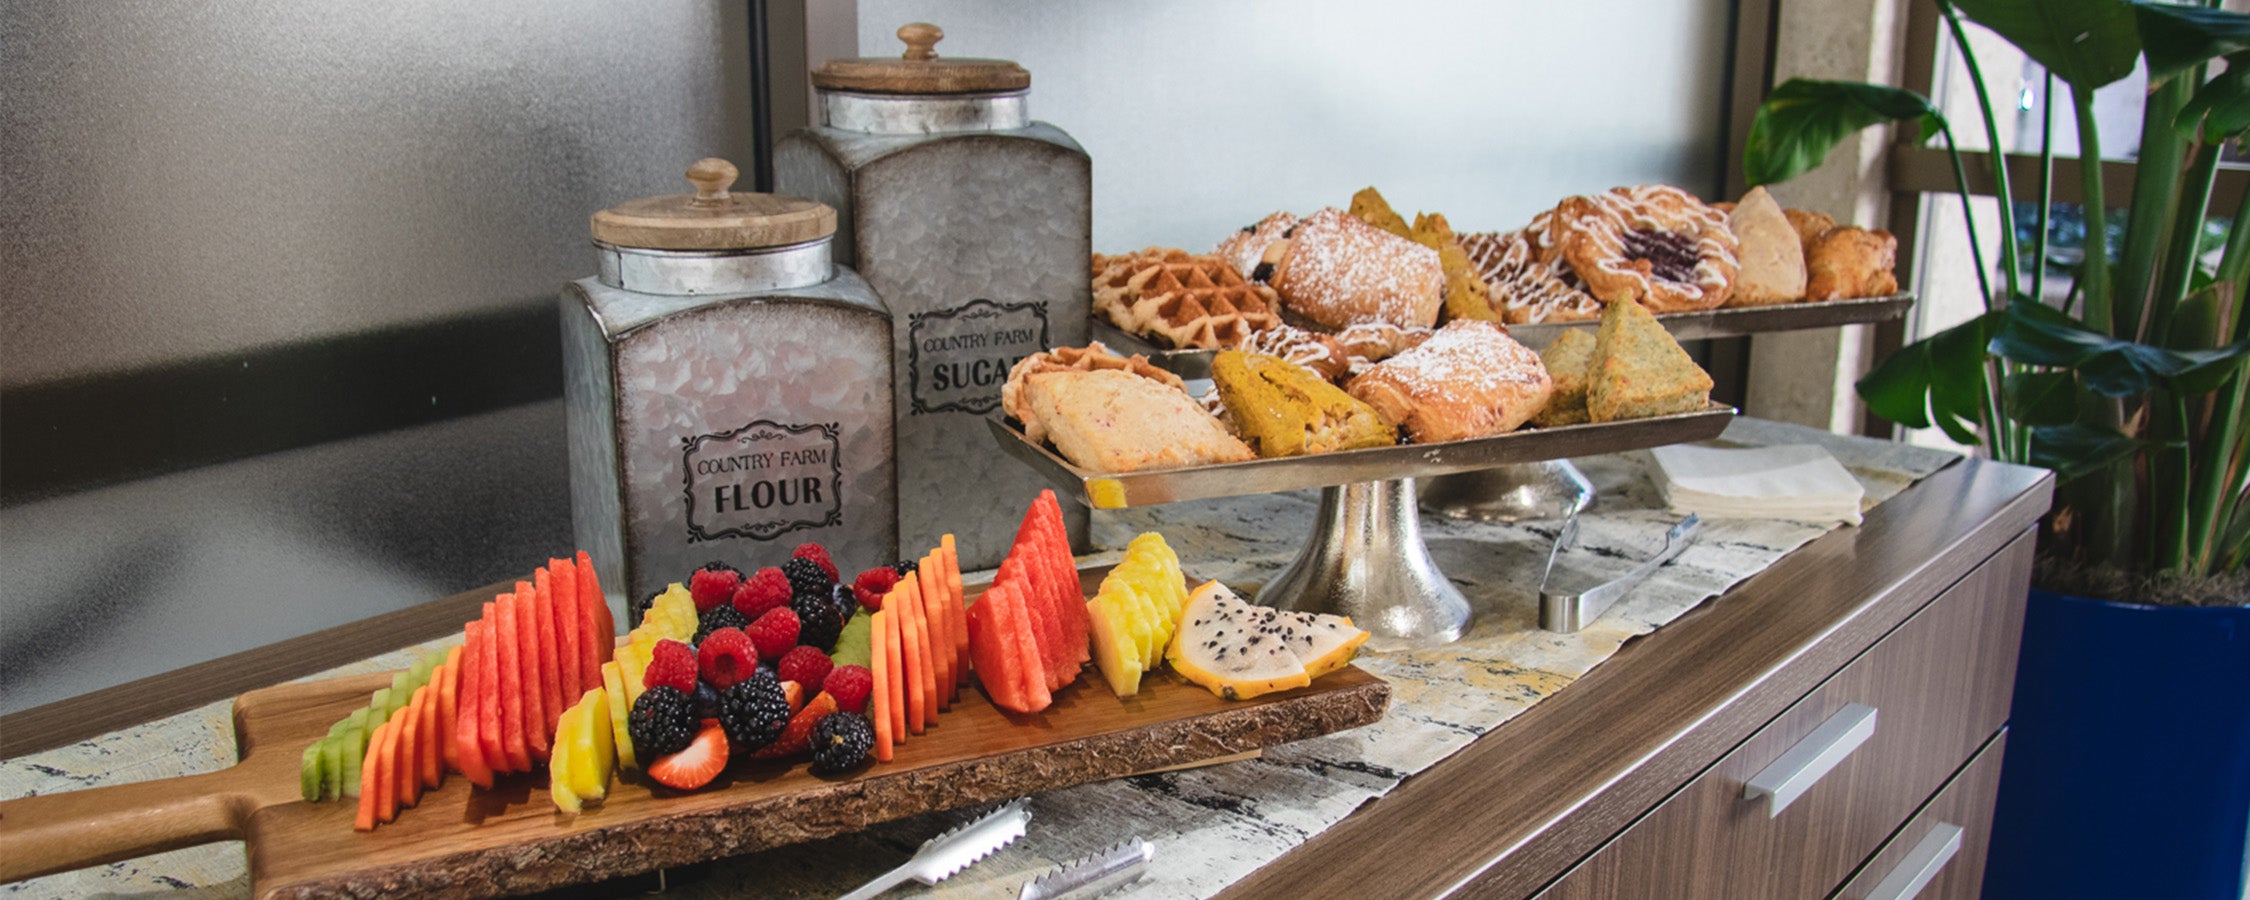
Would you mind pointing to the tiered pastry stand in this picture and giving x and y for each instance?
(1553, 488)
(1365, 557)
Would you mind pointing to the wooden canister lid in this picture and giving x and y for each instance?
(920, 70)
(714, 218)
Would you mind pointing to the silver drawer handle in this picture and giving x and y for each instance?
(1921, 866)
(1790, 776)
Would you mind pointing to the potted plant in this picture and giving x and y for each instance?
(2127, 769)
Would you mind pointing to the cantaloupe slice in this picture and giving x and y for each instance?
(895, 682)
(468, 749)
(933, 615)
(960, 605)
(915, 648)
(432, 755)
(928, 649)
(409, 760)
(368, 795)
(508, 689)
(386, 778)
(879, 698)
(448, 681)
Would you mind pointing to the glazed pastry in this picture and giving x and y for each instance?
(1652, 243)
(1469, 380)
(1253, 250)
(1570, 361)
(1324, 354)
(1376, 341)
(1093, 357)
(1810, 226)
(1525, 288)
(1282, 409)
(1848, 261)
(1116, 421)
(1184, 300)
(1369, 206)
(1640, 371)
(1340, 271)
(1773, 259)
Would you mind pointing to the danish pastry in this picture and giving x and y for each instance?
(1469, 380)
(1526, 288)
(1253, 250)
(1340, 271)
(1849, 261)
(1653, 243)
(1322, 353)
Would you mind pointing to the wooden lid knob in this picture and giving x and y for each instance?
(919, 70)
(714, 217)
(921, 40)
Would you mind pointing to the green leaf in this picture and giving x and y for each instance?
(2178, 37)
(1938, 381)
(2077, 449)
(2041, 398)
(2088, 43)
(2221, 107)
(2035, 334)
(1804, 118)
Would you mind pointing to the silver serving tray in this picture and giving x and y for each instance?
(1734, 321)
(1265, 476)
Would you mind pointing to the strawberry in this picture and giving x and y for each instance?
(694, 767)
(797, 737)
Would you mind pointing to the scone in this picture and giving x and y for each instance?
(1772, 256)
(1466, 294)
(1640, 371)
(1469, 380)
(1116, 421)
(1810, 226)
(1340, 271)
(1570, 361)
(1848, 262)
(1281, 409)
(1369, 206)
(1093, 357)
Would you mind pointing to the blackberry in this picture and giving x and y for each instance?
(840, 742)
(806, 577)
(717, 617)
(663, 722)
(847, 603)
(905, 567)
(819, 622)
(753, 712)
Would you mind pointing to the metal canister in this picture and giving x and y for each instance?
(728, 388)
(973, 222)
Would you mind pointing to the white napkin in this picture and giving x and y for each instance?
(1796, 481)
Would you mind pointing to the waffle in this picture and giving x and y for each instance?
(1094, 357)
(1186, 300)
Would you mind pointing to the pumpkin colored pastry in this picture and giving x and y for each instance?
(1283, 409)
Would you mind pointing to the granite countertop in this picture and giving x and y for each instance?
(1212, 826)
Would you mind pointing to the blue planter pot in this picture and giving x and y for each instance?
(2128, 764)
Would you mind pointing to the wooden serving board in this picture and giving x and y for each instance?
(464, 842)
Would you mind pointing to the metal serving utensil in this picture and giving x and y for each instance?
(953, 851)
(1570, 611)
(1093, 875)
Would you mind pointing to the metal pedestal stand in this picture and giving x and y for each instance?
(1365, 559)
(1551, 489)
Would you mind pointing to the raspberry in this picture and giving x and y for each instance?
(872, 584)
(672, 664)
(767, 589)
(806, 666)
(712, 585)
(840, 743)
(818, 554)
(726, 657)
(774, 633)
(850, 685)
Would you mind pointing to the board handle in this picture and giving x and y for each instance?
(74, 829)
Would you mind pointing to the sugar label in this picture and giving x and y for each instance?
(762, 480)
(958, 358)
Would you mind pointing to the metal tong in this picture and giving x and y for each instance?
(1566, 612)
(954, 850)
(1087, 877)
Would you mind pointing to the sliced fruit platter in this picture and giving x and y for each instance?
(742, 711)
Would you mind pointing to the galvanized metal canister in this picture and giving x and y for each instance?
(973, 222)
(728, 389)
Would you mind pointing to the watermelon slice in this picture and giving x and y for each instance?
(879, 699)
(912, 646)
(1072, 590)
(468, 753)
(532, 652)
(562, 613)
(1043, 630)
(993, 649)
(570, 617)
(596, 610)
(508, 689)
(895, 682)
(1016, 608)
(491, 733)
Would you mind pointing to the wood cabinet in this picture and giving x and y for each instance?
(1891, 646)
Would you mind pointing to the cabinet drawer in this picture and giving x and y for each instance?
(1924, 699)
(1939, 855)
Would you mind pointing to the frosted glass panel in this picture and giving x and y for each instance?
(192, 178)
(1203, 117)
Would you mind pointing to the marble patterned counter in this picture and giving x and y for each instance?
(1211, 826)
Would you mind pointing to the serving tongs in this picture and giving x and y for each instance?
(954, 850)
(1102, 872)
(1566, 612)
